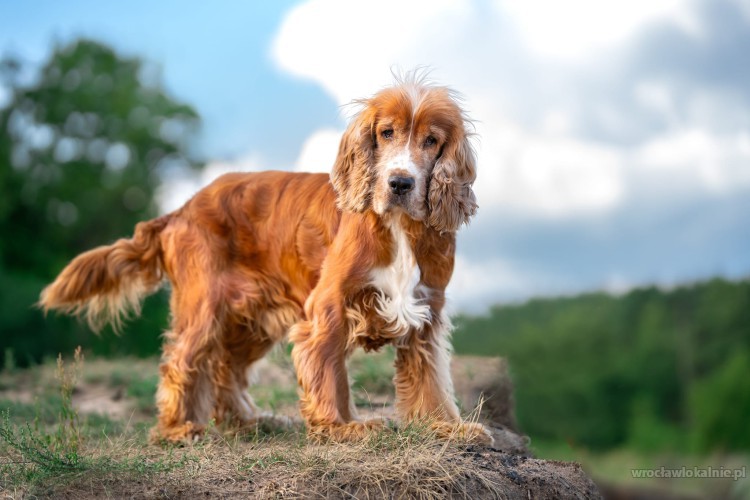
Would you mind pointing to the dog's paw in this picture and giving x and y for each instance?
(470, 432)
(350, 431)
(177, 434)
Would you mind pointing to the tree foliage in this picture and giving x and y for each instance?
(83, 149)
(652, 369)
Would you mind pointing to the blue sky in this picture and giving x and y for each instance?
(214, 55)
(614, 144)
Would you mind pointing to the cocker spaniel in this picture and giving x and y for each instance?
(360, 258)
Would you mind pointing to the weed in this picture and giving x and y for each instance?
(68, 435)
(48, 446)
(50, 453)
(48, 449)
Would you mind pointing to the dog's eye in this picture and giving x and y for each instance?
(387, 133)
(430, 141)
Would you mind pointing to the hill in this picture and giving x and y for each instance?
(652, 369)
(81, 432)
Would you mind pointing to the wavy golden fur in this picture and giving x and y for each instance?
(358, 259)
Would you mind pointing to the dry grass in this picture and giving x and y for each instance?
(405, 463)
(56, 444)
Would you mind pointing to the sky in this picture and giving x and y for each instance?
(613, 138)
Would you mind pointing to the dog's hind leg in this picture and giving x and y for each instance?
(186, 394)
(246, 341)
(241, 347)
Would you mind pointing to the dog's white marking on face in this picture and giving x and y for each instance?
(397, 283)
(403, 161)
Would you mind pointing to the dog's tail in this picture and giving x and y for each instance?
(106, 284)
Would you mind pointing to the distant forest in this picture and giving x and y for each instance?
(652, 369)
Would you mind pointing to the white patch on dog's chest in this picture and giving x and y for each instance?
(400, 299)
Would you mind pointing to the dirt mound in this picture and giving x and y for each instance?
(405, 463)
(390, 469)
(484, 383)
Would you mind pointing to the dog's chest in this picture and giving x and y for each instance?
(400, 299)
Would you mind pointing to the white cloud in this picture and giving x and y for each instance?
(475, 285)
(517, 166)
(657, 97)
(574, 29)
(546, 149)
(545, 175)
(319, 151)
(698, 159)
(347, 46)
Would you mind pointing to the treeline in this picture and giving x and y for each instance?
(655, 370)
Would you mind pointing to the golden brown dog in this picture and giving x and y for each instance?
(360, 258)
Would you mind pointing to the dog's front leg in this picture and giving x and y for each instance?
(424, 388)
(319, 356)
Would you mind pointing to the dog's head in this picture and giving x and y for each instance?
(407, 150)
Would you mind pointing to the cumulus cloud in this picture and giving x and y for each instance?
(576, 29)
(342, 45)
(474, 282)
(744, 6)
(589, 115)
(699, 159)
(319, 151)
(547, 175)
(542, 167)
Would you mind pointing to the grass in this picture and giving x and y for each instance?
(45, 441)
(143, 390)
(275, 398)
(373, 373)
(48, 448)
(409, 461)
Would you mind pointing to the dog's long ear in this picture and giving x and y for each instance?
(451, 199)
(353, 171)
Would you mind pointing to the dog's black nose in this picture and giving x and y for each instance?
(400, 185)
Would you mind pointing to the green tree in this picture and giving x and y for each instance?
(82, 151)
(720, 406)
(652, 369)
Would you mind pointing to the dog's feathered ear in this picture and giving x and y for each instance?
(353, 171)
(451, 200)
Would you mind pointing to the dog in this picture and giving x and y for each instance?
(360, 258)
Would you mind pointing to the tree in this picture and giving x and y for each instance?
(82, 152)
(653, 369)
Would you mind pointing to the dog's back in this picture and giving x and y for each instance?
(234, 227)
